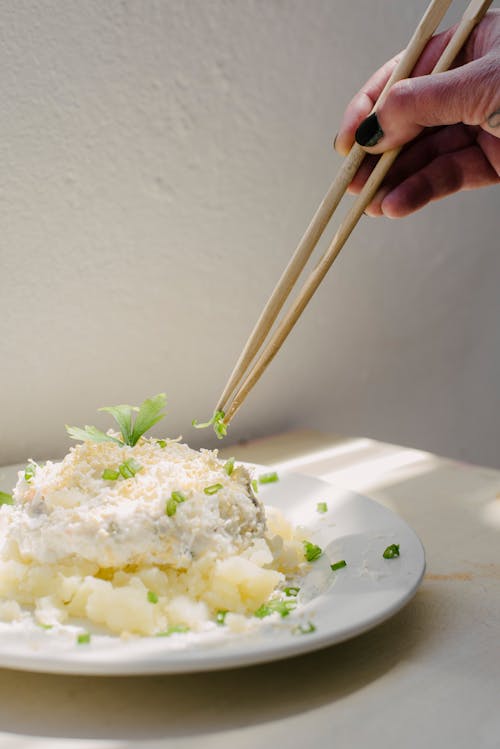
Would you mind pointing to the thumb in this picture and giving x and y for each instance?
(468, 94)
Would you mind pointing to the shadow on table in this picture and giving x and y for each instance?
(131, 708)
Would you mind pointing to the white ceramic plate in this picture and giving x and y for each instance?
(343, 604)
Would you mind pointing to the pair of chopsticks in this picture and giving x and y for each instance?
(239, 385)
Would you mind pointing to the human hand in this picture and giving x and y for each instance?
(452, 119)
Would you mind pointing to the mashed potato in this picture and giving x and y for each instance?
(146, 539)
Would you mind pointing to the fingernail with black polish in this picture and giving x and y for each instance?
(369, 132)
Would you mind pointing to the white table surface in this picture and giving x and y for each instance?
(429, 677)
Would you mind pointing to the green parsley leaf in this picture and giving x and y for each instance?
(291, 591)
(229, 466)
(29, 471)
(123, 416)
(268, 478)
(152, 596)
(90, 434)
(110, 475)
(129, 468)
(391, 551)
(217, 422)
(83, 639)
(173, 630)
(255, 485)
(161, 443)
(220, 617)
(6, 499)
(304, 629)
(175, 499)
(321, 507)
(338, 565)
(149, 414)
(311, 551)
(213, 489)
(282, 608)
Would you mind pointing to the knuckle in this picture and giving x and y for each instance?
(401, 98)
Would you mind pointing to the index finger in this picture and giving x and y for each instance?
(361, 105)
(364, 101)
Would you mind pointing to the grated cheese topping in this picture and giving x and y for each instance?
(69, 511)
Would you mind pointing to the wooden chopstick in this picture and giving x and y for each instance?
(425, 29)
(471, 17)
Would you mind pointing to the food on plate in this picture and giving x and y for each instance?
(145, 536)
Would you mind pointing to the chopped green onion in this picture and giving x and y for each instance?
(220, 617)
(178, 497)
(213, 489)
(83, 639)
(338, 565)
(152, 596)
(175, 499)
(255, 485)
(229, 466)
(311, 551)
(6, 499)
(29, 472)
(161, 443)
(304, 629)
(282, 608)
(217, 422)
(291, 591)
(173, 630)
(321, 507)
(44, 626)
(129, 468)
(110, 475)
(171, 507)
(391, 551)
(268, 478)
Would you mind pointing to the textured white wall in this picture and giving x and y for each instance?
(159, 161)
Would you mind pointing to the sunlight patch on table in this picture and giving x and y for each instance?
(378, 472)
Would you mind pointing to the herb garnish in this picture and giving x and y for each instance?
(29, 471)
(220, 617)
(391, 551)
(338, 565)
(172, 630)
(6, 499)
(282, 608)
(311, 551)
(321, 507)
(128, 469)
(110, 475)
(304, 629)
(213, 489)
(229, 466)
(152, 596)
(255, 485)
(148, 413)
(175, 499)
(293, 591)
(217, 422)
(268, 478)
(83, 639)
